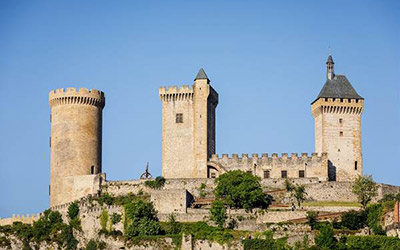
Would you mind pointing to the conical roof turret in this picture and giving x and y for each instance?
(201, 75)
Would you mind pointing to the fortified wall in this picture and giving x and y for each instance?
(274, 167)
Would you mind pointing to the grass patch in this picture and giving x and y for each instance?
(331, 204)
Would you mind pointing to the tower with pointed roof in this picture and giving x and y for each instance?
(337, 114)
(188, 128)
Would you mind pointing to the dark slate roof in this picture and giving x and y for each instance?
(338, 87)
(201, 75)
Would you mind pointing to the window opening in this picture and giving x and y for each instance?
(179, 118)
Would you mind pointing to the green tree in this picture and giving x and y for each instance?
(218, 213)
(325, 239)
(73, 210)
(300, 194)
(288, 185)
(141, 219)
(241, 190)
(312, 219)
(365, 188)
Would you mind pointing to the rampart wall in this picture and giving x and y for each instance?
(314, 166)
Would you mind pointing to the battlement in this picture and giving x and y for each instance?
(294, 157)
(81, 96)
(174, 93)
(337, 105)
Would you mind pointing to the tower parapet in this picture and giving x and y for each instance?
(173, 93)
(75, 142)
(73, 96)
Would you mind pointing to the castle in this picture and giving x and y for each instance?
(188, 138)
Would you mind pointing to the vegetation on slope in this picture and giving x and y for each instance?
(241, 190)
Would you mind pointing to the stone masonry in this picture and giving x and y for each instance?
(75, 142)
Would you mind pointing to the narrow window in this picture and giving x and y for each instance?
(50, 118)
(92, 169)
(301, 173)
(49, 190)
(341, 133)
(213, 175)
(355, 165)
(179, 118)
(50, 142)
(266, 174)
(340, 120)
(284, 174)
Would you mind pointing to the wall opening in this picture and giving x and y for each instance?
(92, 169)
(212, 172)
(179, 118)
(266, 174)
(355, 165)
(301, 173)
(284, 174)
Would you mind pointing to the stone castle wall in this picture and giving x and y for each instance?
(314, 166)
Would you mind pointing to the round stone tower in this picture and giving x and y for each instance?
(75, 142)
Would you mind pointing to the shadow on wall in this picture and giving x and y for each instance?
(331, 171)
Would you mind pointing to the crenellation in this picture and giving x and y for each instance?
(174, 93)
(316, 164)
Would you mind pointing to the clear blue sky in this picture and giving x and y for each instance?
(265, 58)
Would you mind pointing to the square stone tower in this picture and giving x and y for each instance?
(188, 128)
(337, 113)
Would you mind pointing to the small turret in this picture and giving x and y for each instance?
(201, 75)
(330, 74)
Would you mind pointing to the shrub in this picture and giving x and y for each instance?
(325, 239)
(312, 219)
(141, 219)
(374, 219)
(69, 241)
(157, 183)
(92, 245)
(354, 220)
(232, 224)
(104, 220)
(115, 218)
(106, 198)
(372, 242)
(173, 227)
(202, 190)
(73, 210)
(241, 190)
(202, 231)
(218, 213)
